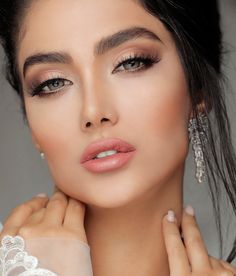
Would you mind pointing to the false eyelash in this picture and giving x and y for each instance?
(146, 58)
(36, 84)
(35, 89)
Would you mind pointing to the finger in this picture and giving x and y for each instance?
(196, 250)
(228, 266)
(177, 257)
(36, 217)
(74, 217)
(216, 264)
(21, 213)
(56, 208)
(12, 231)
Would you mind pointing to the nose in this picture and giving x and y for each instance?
(98, 111)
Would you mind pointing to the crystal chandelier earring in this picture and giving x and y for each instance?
(197, 138)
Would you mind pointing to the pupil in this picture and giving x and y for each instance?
(133, 64)
(56, 83)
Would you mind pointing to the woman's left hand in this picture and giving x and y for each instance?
(189, 256)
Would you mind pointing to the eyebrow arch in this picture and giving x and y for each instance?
(103, 46)
(115, 40)
(41, 58)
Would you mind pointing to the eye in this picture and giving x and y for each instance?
(136, 63)
(50, 87)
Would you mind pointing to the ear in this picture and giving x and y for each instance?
(35, 142)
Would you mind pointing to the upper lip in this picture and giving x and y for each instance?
(103, 145)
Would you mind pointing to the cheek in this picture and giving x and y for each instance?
(157, 104)
(53, 123)
(160, 119)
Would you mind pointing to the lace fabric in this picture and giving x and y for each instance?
(14, 258)
(47, 256)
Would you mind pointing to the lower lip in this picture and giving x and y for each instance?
(108, 163)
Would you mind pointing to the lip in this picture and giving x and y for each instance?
(125, 152)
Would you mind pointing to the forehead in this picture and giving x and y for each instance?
(61, 24)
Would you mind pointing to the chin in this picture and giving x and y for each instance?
(123, 191)
(106, 191)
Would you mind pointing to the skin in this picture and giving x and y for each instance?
(125, 207)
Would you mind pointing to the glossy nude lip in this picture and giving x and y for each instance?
(125, 152)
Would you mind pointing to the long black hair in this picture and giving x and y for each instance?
(195, 28)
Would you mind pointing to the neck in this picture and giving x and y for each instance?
(128, 240)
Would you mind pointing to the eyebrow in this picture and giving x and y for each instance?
(115, 40)
(43, 58)
(101, 47)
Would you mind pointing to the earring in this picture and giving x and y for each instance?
(42, 155)
(194, 136)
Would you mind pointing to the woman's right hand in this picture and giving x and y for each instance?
(58, 216)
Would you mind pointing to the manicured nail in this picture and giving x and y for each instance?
(189, 210)
(42, 195)
(171, 216)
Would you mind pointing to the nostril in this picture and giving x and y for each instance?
(105, 119)
(88, 124)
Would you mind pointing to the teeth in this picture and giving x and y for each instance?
(106, 153)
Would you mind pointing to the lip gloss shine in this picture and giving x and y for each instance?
(124, 152)
(108, 163)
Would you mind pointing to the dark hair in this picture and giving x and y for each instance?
(195, 28)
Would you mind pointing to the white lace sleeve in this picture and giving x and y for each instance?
(14, 260)
(46, 256)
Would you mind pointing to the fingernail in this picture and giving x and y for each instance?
(171, 216)
(42, 195)
(189, 210)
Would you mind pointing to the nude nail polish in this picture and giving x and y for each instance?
(171, 216)
(42, 195)
(189, 210)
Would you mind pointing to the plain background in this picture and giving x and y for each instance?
(23, 173)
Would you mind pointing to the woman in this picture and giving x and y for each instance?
(109, 90)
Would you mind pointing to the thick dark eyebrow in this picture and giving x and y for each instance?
(103, 46)
(41, 58)
(115, 40)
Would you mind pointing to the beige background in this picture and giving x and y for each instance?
(23, 174)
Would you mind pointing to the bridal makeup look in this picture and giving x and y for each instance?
(132, 88)
(94, 70)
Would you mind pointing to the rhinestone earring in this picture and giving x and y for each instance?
(197, 137)
(42, 155)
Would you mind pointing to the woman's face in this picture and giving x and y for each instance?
(135, 81)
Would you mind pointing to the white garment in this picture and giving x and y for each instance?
(44, 256)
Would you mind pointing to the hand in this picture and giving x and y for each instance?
(58, 216)
(190, 257)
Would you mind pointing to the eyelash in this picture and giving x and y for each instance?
(147, 60)
(37, 90)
